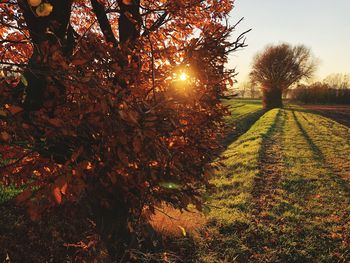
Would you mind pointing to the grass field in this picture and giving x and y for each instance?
(284, 194)
(244, 112)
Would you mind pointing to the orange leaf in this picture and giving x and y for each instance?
(57, 194)
(127, 2)
(14, 109)
(230, 81)
(64, 188)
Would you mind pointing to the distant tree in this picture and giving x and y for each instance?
(338, 81)
(253, 90)
(249, 90)
(242, 90)
(278, 67)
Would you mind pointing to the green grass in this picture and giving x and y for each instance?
(232, 202)
(7, 193)
(303, 214)
(329, 138)
(240, 108)
(315, 203)
(244, 113)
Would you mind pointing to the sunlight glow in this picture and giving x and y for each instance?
(183, 76)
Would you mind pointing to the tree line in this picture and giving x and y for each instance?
(335, 89)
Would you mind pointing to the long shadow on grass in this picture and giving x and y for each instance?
(339, 117)
(320, 157)
(269, 133)
(243, 125)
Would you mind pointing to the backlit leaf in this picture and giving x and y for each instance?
(57, 194)
(14, 109)
(44, 9)
(24, 80)
(170, 185)
(183, 231)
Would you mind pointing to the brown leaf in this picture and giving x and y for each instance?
(14, 109)
(34, 212)
(137, 144)
(4, 136)
(123, 156)
(79, 61)
(25, 195)
(77, 153)
(56, 122)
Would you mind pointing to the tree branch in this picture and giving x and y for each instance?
(103, 21)
(157, 24)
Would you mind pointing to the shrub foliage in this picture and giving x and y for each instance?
(118, 102)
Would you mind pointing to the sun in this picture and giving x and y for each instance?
(183, 76)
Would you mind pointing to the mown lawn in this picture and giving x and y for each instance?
(284, 194)
(244, 113)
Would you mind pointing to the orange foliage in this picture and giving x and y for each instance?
(109, 122)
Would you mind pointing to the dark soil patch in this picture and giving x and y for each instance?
(339, 113)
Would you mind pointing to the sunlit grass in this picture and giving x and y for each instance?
(240, 108)
(244, 113)
(232, 201)
(7, 193)
(170, 222)
(309, 217)
(330, 139)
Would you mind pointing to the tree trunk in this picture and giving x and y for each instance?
(272, 98)
(55, 30)
(112, 225)
(129, 21)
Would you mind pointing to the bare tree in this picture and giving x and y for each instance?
(243, 90)
(278, 67)
(253, 90)
(338, 81)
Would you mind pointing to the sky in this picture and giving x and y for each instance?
(322, 25)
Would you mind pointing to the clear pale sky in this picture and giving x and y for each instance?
(322, 25)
